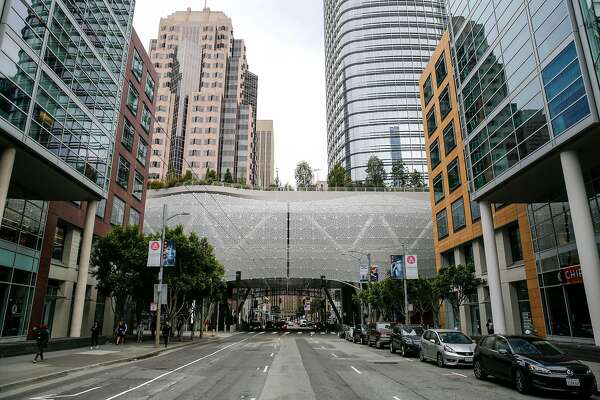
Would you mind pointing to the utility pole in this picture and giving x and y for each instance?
(369, 283)
(406, 312)
(160, 277)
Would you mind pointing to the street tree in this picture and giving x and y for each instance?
(338, 177)
(422, 296)
(120, 269)
(228, 178)
(376, 174)
(399, 174)
(455, 283)
(211, 176)
(416, 180)
(303, 174)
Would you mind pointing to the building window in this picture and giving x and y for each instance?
(442, 224)
(438, 188)
(123, 173)
(142, 152)
(434, 154)
(149, 89)
(445, 104)
(146, 118)
(132, 99)
(475, 211)
(58, 246)
(137, 66)
(458, 215)
(431, 122)
(427, 90)
(134, 216)
(128, 135)
(453, 175)
(440, 69)
(138, 185)
(449, 138)
(118, 211)
(514, 238)
(100, 210)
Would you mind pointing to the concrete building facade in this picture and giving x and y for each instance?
(457, 230)
(375, 53)
(527, 76)
(265, 153)
(60, 93)
(206, 104)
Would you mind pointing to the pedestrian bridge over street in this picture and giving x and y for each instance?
(293, 238)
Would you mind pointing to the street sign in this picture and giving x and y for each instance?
(364, 273)
(307, 305)
(397, 267)
(153, 306)
(374, 273)
(164, 293)
(412, 271)
(153, 253)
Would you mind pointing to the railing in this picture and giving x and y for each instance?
(323, 189)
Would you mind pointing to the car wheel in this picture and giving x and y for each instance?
(521, 382)
(440, 361)
(378, 344)
(403, 350)
(369, 342)
(392, 348)
(478, 370)
(421, 356)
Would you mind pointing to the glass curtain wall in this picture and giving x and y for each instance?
(375, 53)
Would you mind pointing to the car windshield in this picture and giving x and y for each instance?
(384, 326)
(455, 338)
(534, 347)
(412, 330)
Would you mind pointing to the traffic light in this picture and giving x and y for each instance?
(238, 276)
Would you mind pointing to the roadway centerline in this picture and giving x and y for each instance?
(266, 368)
(355, 370)
(396, 398)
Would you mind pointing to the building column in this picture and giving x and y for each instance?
(84, 266)
(7, 161)
(493, 268)
(585, 238)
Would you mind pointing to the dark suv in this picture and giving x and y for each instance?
(407, 339)
(360, 334)
(379, 334)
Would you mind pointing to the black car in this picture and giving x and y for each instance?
(359, 334)
(407, 339)
(531, 363)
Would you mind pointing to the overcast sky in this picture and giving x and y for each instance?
(284, 40)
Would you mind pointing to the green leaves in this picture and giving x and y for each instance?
(376, 174)
(338, 177)
(303, 175)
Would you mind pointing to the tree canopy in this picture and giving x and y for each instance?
(228, 178)
(338, 177)
(416, 180)
(399, 174)
(376, 174)
(303, 174)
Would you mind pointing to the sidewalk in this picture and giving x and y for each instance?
(20, 370)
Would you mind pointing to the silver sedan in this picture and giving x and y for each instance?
(447, 347)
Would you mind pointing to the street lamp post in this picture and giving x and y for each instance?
(165, 219)
(406, 316)
(368, 255)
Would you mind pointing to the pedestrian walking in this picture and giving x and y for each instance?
(120, 332)
(490, 327)
(140, 331)
(95, 335)
(42, 336)
(166, 332)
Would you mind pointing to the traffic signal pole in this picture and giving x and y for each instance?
(160, 278)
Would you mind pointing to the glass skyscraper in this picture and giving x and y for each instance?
(375, 53)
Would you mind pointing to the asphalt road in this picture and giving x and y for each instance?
(268, 366)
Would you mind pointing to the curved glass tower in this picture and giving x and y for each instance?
(375, 52)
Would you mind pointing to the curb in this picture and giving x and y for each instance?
(54, 375)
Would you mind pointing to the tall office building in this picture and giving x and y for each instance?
(60, 90)
(206, 104)
(265, 153)
(528, 79)
(375, 53)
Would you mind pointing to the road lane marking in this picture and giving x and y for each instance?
(56, 396)
(334, 356)
(287, 333)
(355, 370)
(271, 354)
(455, 374)
(299, 333)
(273, 333)
(259, 333)
(266, 368)
(396, 398)
(176, 369)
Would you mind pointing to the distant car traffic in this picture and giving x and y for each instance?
(531, 363)
(379, 334)
(447, 347)
(407, 339)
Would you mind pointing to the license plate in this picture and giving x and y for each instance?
(573, 382)
(468, 359)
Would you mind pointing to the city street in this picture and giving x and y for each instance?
(272, 365)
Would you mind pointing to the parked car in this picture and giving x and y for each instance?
(447, 347)
(349, 333)
(531, 363)
(379, 334)
(407, 339)
(360, 334)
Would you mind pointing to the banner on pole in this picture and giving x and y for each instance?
(412, 270)
(364, 273)
(168, 253)
(153, 254)
(397, 270)
(374, 273)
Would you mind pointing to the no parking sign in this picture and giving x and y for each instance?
(412, 271)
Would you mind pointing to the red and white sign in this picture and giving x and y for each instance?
(412, 270)
(573, 275)
(153, 306)
(154, 253)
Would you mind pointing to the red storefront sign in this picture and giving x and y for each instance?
(572, 275)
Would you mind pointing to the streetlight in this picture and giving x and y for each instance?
(165, 220)
(368, 255)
